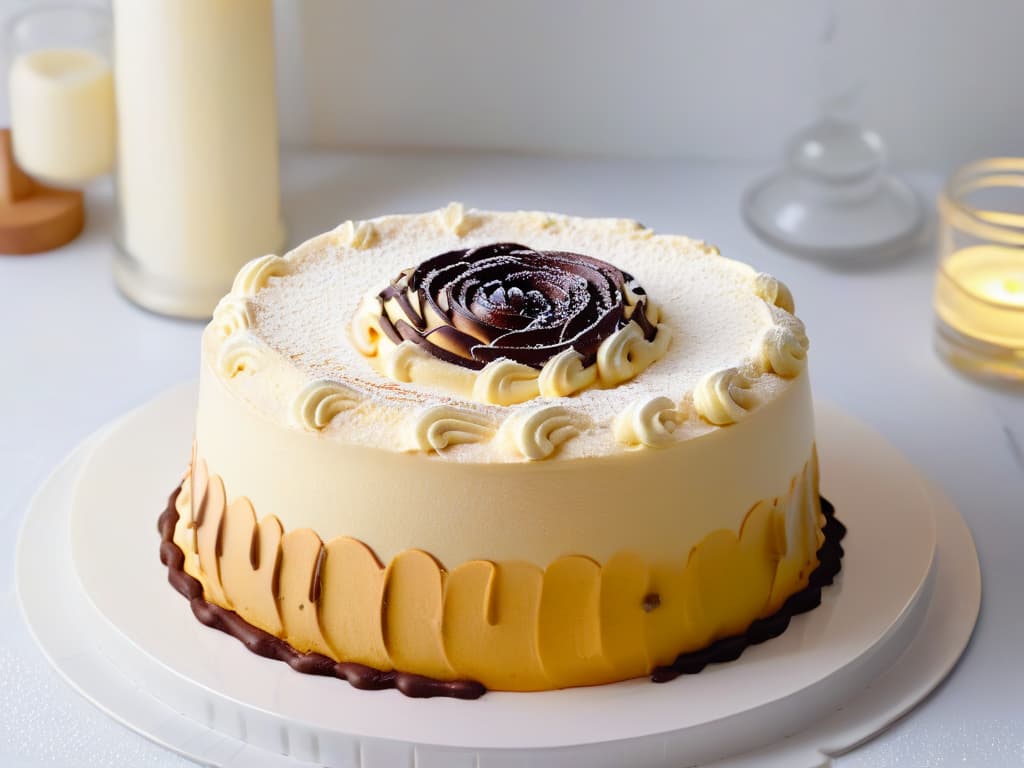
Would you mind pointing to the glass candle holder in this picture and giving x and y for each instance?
(61, 90)
(979, 289)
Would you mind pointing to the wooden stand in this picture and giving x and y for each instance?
(34, 217)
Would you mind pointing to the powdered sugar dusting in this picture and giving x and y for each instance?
(706, 300)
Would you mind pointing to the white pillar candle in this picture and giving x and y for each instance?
(198, 156)
(62, 114)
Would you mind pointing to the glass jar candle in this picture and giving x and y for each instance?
(61, 91)
(979, 289)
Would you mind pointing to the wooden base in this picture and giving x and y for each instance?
(34, 217)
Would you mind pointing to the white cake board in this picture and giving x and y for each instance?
(95, 596)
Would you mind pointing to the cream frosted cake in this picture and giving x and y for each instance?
(520, 451)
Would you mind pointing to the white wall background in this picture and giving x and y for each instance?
(942, 80)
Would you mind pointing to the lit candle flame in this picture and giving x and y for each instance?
(1006, 290)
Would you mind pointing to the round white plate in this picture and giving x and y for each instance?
(825, 659)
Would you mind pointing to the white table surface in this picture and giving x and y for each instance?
(76, 355)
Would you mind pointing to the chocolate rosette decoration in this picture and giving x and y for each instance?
(474, 306)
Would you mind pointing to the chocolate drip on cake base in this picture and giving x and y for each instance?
(418, 686)
(267, 645)
(830, 556)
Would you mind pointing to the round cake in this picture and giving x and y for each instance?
(522, 449)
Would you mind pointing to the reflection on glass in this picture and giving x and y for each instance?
(979, 288)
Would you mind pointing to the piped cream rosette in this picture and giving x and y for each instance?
(503, 324)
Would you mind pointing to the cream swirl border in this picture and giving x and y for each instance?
(256, 274)
(366, 333)
(232, 315)
(564, 375)
(724, 397)
(319, 401)
(239, 353)
(773, 291)
(440, 426)
(626, 353)
(720, 398)
(620, 357)
(400, 363)
(505, 382)
(456, 219)
(531, 433)
(355, 234)
(782, 349)
(536, 433)
(649, 422)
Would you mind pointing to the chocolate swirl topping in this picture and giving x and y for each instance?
(473, 306)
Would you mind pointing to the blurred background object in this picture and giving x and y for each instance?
(834, 200)
(194, 124)
(61, 97)
(979, 291)
(730, 80)
(62, 93)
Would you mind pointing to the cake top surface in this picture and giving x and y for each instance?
(342, 336)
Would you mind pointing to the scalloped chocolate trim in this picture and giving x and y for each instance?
(360, 676)
(267, 645)
(830, 556)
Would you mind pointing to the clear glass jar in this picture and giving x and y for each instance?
(197, 168)
(61, 93)
(979, 288)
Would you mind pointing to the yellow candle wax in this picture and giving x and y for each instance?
(980, 293)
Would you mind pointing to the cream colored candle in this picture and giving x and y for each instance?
(198, 154)
(62, 114)
(980, 293)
